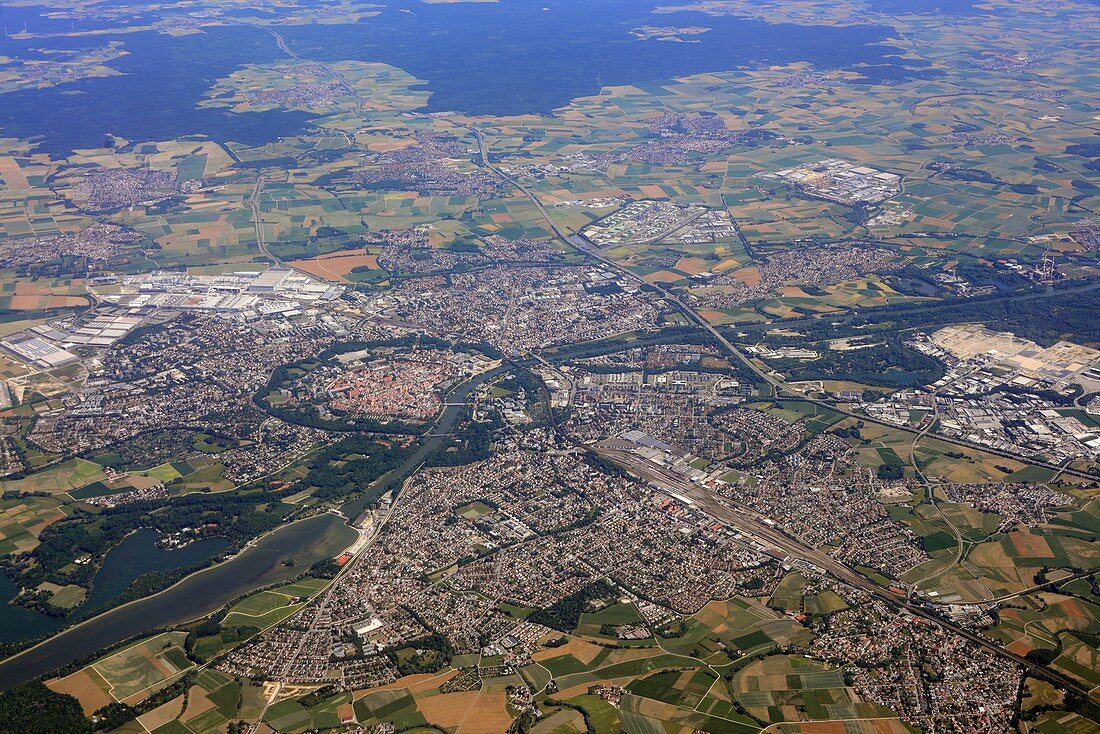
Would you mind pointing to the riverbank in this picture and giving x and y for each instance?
(258, 564)
(199, 594)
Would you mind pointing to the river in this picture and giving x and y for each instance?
(136, 555)
(456, 403)
(201, 593)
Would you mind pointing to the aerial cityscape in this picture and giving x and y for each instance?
(558, 367)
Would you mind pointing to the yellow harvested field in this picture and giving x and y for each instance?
(712, 315)
(10, 174)
(582, 688)
(488, 716)
(692, 265)
(793, 291)
(748, 276)
(990, 555)
(82, 686)
(657, 709)
(714, 616)
(382, 144)
(197, 702)
(663, 276)
(337, 265)
(27, 288)
(1031, 546)
(35, 302)
(855, 726)
(825, 727)
(447, 709)
(417, 683)
(586, 652)
(162, 714)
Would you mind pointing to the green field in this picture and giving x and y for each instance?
(145, 666)
(273, 605)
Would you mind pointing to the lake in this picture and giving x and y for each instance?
(136, 555)
(261, 564)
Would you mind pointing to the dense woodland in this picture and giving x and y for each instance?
(1042, 316)
(886, 365)
(32, 708)
(238, 517)
(349, 467)
(565, 614)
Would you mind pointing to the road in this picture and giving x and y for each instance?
(257, 220)
(930, 488)
(754, 525)
(457, 398)
(326, 597)
(742, 518)
(351, 91)
(673, 229)
(583, 245)
(744, 239)
(720, 508)
(254, 198)
(780, 388)
(926, 307)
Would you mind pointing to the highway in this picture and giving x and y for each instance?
(742, 518)
(351, 91)
(780, 388)
(254, 199)
(753, 525)
(258, 222)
